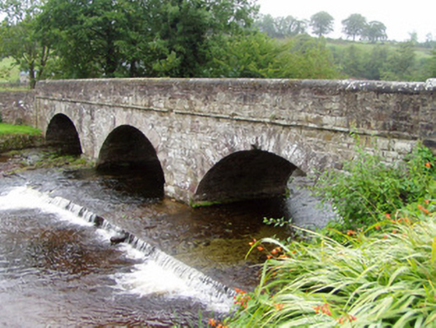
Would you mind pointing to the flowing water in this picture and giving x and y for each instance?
(176, 266)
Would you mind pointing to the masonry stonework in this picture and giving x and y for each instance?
(195, 123)
(16, 107)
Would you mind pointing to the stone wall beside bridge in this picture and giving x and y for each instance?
(228, 139)
(17, 107)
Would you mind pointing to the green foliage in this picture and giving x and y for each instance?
(9, 72)
(375, 31)
(401, 63)
(281, 27)
(367, 187)
(321, 23)
(140, 38)
(18, 129)
(354, 25)
(390, 61)
(20, 40)
(256, 55)
(386, 279)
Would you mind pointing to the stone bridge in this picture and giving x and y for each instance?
(220, 140)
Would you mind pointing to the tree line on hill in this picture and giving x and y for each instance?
(321, 24)
(52, 39)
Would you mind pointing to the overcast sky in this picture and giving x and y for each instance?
(399, 16)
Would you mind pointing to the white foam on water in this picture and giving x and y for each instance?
(156, 274)
(21, 198)
(160, 274)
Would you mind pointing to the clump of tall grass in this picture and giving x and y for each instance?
(385, 279)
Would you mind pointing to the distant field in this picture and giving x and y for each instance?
(8, 72)
(420, 52)
(18, 129)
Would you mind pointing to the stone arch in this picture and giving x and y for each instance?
(243, 175)
(126, 149)
(62, 134)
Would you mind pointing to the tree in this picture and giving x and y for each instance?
(290, 26)
(431, 65)
(321, 23)
(375, 31)
(281, 27)
(256, 55)
(20, 40)
(375, 65)
(354, 26)
(413, 37)
(401, 63)
(352, 62)
(267, 24)
(85, 35)
(141, 38)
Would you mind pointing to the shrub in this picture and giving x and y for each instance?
(368, 187)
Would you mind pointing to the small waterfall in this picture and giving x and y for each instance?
(192, 283)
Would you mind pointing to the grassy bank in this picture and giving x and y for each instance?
(10, 129)
(19, 137)
(374, 267)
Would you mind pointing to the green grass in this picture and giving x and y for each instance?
(9, 73)
(367, 47)
(9, 129)
(385, 279)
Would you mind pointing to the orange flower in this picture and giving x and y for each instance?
(324, 309)
(377, 227)
(240, 291)
(348, 317)
(212, 322)
(279, 306)
(388, 216)
(422, 208)
(428, 164)
(351, 232)
(260, 248)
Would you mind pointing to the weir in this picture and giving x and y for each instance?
(215, 295)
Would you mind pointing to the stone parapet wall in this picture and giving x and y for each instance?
(17, 107)
(405, 110)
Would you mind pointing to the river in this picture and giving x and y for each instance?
(177, 267)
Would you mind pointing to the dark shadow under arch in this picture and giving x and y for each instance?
(251, 174)
(127, 150)
(62, 134)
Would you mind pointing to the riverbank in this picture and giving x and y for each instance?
(15, 137)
